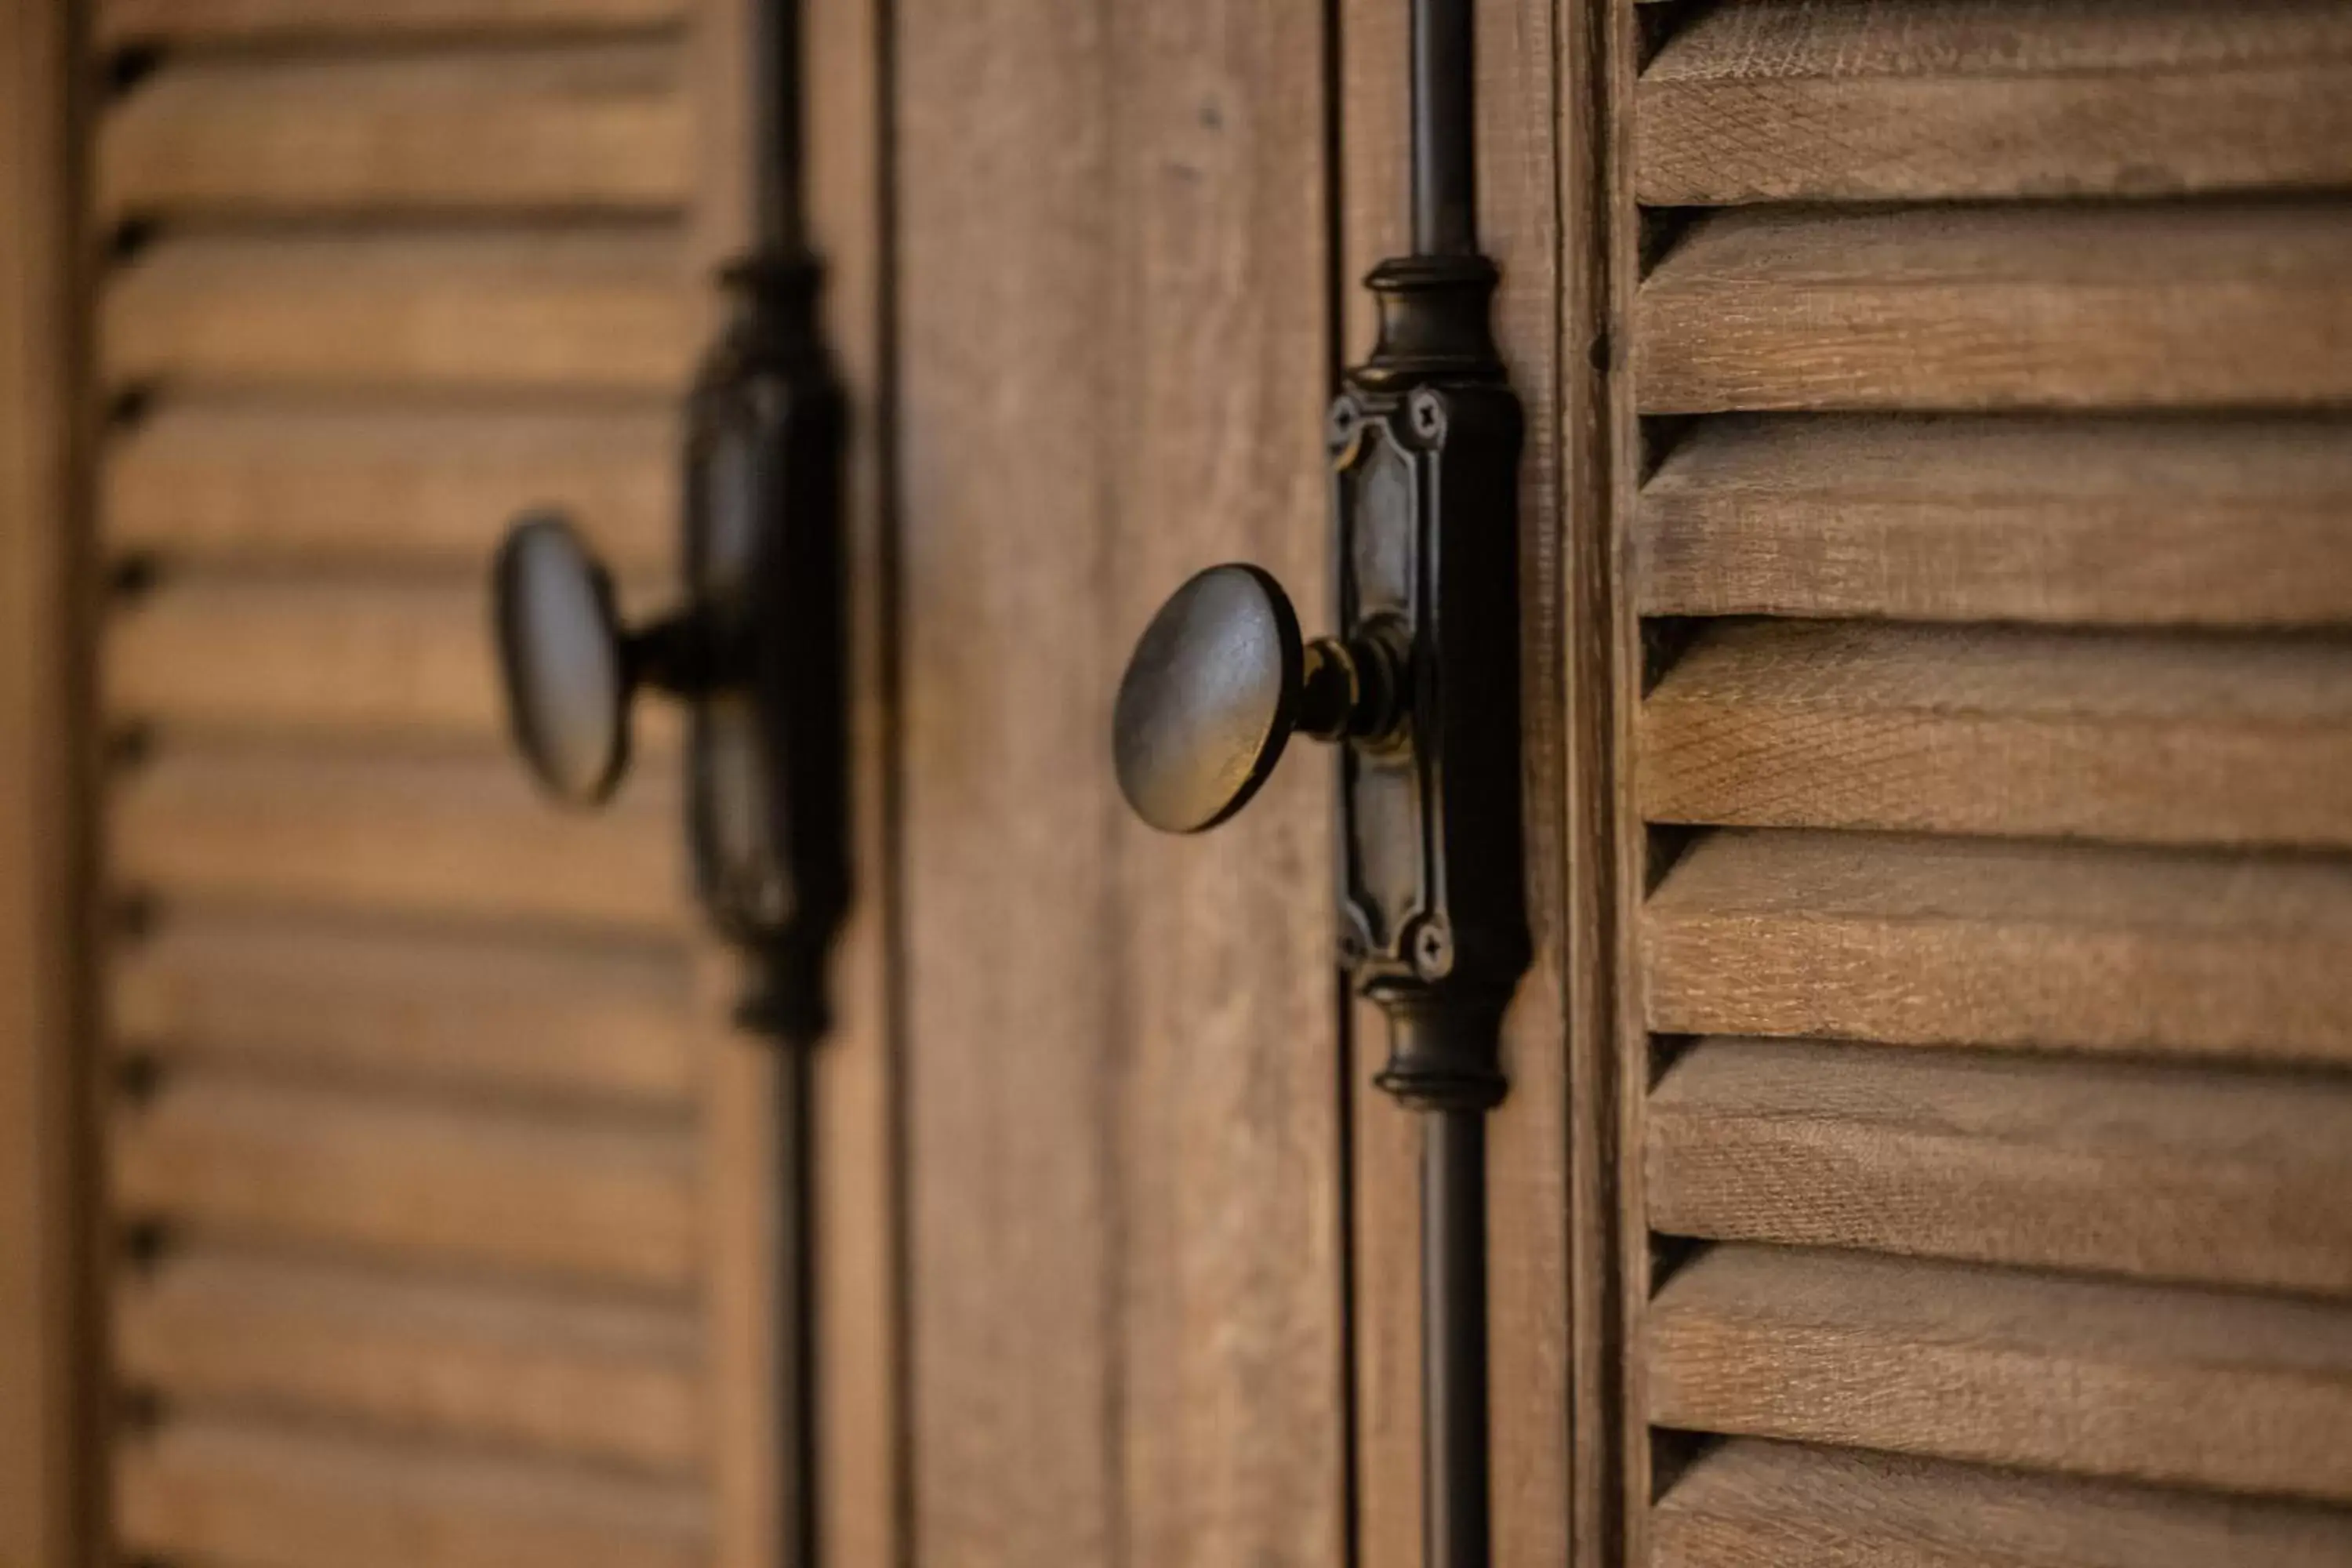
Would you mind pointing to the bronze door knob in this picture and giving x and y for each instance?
(1220, 682)
(568, 667)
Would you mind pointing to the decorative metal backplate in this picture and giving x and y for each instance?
(768, 810)
(1426, 442)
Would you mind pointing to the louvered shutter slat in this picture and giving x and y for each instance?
(1994, 535)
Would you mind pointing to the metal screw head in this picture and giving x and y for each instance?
(1428, 414)
(563, 660)
(1353, 944)
(1341, 424)
(1432, 950)
(1210, 698)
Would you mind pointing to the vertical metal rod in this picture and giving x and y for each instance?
(779, 234)
(1454, 1338)
(1455, 1480)
(1444, 152)
(779, 225)
(793, 1249)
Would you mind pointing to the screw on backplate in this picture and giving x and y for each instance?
(1428, 414)
(1345, 417)
(1432, 950)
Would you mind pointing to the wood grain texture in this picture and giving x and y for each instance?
(2005, 307)
(1014, 1326)
(432, 1044)
(580, 311)
(350, 655)
(2220, 1177)
(1775, 100)
(1613, 1452)
(397, 484)
(610, 1199)
(448, 837)
(594, 128)
(1126, 1220)
(2036, 946)
(47, 1358)
(1521, 227)
(335, 656)
(262, 1496)
(551, 1372)
(502, 1013)
(120, 23)
(1752, 1504)
(2221, 523)
(2233, 1392)
(1374, 47)
(1952, 729)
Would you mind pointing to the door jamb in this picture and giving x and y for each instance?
(49, 1462)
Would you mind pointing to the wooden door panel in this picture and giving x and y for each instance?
(1124, 1079)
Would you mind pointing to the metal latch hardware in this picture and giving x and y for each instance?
(759, 654)
(1418, 693)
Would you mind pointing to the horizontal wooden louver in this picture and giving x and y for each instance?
(2026, 306)
(263, 1495)
(2216, 1177)
(546, 1016)
(2173, 522)
(2211, 1390)
(386, 832)
(614, 1381)
(1778, 100)
(2029, 945)
(2098, 735)
(599, 129)
(365, 1174)
(1751, 1502)
(366, 23)
(520, 311)
(402, 483)
(409, 1135)
(404, 658)
(1995, 540)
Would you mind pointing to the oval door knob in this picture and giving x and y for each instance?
(1216, 687)
(569, 667)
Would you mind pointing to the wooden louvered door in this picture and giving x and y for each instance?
(430, 1166)
(1986, 747)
